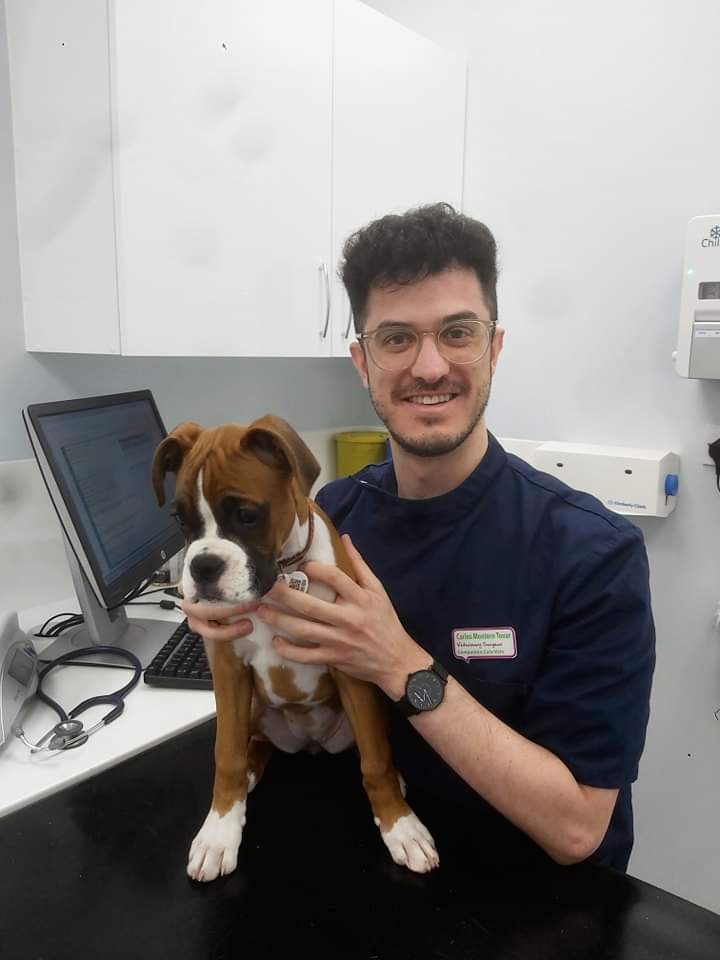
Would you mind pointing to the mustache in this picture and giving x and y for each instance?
(424, 386)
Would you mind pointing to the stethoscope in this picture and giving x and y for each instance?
(69, 733)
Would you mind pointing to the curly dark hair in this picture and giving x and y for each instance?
(405, 248)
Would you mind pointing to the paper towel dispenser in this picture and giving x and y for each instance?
(698, 345)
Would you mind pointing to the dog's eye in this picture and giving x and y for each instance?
(240, 512)
(246, 516)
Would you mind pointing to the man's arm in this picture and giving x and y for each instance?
(361, 634)
(526, 783)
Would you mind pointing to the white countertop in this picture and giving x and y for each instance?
(151, 715)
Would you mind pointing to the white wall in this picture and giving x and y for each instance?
(593, 136)
(312, 394)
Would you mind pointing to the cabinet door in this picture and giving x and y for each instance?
(398, 129)
(222, 114)
(66, 232)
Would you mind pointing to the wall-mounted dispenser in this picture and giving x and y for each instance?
(698, 345)
(629, 480)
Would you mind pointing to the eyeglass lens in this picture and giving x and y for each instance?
(396, 347)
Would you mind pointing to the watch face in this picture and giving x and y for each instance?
(425, 690)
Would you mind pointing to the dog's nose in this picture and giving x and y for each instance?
(206, 567)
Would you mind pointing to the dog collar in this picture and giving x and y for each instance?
(285, 562)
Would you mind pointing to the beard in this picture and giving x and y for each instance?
(436, 444)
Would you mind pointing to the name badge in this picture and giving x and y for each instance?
(484, 643)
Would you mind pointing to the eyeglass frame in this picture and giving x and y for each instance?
(492, 324)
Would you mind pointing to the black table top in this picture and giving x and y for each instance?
(98, 870)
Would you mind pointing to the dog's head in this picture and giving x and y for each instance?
(238, 494)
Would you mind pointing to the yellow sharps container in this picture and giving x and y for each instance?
(355, 449)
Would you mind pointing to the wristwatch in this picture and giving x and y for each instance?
(424, 690)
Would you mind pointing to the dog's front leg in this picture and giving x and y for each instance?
(408, 840)
(214, 850)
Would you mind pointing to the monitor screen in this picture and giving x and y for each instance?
(99, 453)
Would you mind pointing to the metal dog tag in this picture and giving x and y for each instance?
(296, 581)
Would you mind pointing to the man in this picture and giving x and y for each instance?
(532, 596)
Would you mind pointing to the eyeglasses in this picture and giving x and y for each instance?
(395, 347)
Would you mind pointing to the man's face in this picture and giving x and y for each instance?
(400, 399)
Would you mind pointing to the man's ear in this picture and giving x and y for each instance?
(496, 347)
(171, 453)
(359, 359)
(274, 442)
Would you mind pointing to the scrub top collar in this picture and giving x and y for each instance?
(380, 479)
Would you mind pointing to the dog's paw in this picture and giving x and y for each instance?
(214, 850)
(411, 845)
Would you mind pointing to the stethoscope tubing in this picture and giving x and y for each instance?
(72, 736)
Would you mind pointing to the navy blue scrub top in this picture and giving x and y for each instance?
(536, 599)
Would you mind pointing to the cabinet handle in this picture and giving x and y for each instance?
(326, 277)
(347, 328)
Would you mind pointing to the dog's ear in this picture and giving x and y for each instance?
(273, 441)
(170, 454)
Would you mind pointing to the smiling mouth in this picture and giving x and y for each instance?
(430, 399)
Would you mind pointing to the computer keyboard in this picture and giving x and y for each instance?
(181, 663)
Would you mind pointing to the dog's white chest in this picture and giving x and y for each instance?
(284, 682)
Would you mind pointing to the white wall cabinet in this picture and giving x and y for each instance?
(186, 174)
(222, 116)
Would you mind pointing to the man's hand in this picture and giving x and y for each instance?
(359, 633)
(219, 622)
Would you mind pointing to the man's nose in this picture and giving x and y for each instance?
(429, 364)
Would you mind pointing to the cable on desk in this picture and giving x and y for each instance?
(165, 604)
(76, 619)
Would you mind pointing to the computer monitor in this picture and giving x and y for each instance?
(95, 456)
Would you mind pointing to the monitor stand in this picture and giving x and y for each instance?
(104, 627)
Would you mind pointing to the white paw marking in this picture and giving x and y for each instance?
(214, 850)
(411, 845)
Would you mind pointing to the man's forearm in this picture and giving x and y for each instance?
(526, 783)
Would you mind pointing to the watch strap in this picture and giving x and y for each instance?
(440, 670)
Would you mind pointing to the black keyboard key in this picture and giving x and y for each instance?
(180, 663)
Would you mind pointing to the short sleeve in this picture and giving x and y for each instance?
(590, 702)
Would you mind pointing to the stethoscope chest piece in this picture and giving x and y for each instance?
(66, 735)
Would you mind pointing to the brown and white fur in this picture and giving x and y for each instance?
(242, 497)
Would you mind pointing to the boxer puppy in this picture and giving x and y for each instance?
(242, 500)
